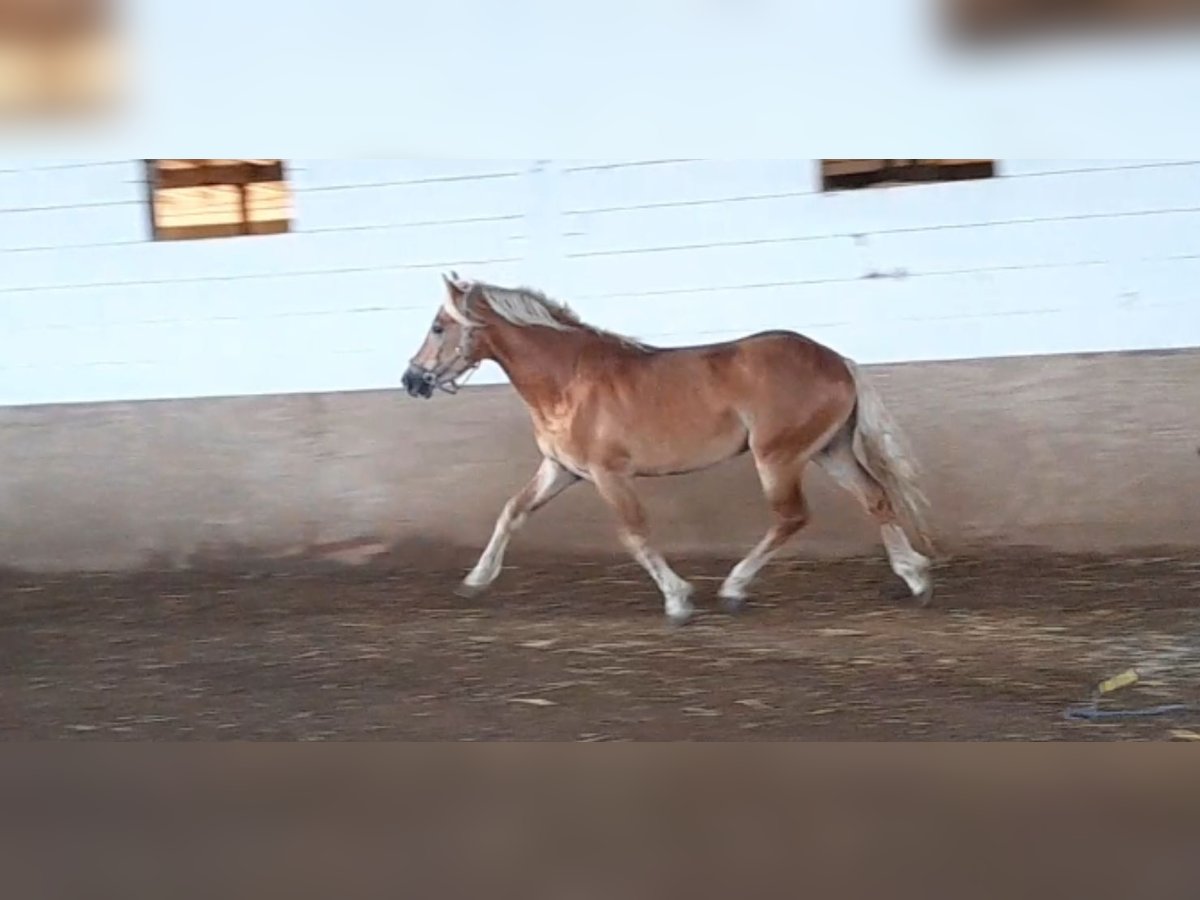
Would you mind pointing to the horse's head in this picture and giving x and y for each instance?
(451, 348)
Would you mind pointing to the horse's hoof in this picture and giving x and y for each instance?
(469, 591)
(733, 605)
(680, 618)
(925, 597)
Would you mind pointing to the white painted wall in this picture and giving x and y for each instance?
(1054, 256)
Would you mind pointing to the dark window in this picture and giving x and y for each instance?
(987, 20)
(207, 198)
(848, 174)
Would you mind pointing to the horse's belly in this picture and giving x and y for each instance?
(574, 462)
(646, 447)
(675, 454)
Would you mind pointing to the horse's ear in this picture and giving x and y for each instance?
(453, 285)
(451, 306)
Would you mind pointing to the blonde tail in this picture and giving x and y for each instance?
(880, 447)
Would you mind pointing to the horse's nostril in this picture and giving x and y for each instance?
(413, 382)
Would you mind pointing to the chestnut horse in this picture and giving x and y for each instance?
(607, 409)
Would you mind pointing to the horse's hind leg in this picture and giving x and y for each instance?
(839, 461)
(782, 487)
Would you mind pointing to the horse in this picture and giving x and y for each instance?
(608, 409)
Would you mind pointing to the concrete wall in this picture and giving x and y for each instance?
(1082, 452)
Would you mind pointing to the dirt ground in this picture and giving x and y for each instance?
(578, 650)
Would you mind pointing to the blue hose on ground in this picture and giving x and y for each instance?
(1092, 712)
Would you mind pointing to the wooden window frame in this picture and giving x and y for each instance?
(857, 174)
(227, 173)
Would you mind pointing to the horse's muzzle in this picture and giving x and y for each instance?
(418, 383)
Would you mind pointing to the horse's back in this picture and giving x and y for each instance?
(776, 355)
(668, 410)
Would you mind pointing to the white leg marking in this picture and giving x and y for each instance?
(618, 493)
(735, 585)
(910, 565)
(550, 481)
(676, 592)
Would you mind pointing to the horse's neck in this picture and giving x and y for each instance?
(538, 361)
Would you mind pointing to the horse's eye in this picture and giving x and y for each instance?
(437, 329)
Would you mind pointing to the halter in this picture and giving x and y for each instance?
(454, 383)
(438, 377)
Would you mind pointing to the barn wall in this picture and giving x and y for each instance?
(193, 400)
(1055, 256)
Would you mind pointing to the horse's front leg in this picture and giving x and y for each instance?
(550, 481)
(617, 492)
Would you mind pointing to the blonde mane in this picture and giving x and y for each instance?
(526, 307)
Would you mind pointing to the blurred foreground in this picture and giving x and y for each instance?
(59, 59)
(578, 651)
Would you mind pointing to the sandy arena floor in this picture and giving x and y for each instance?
(579, 651)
